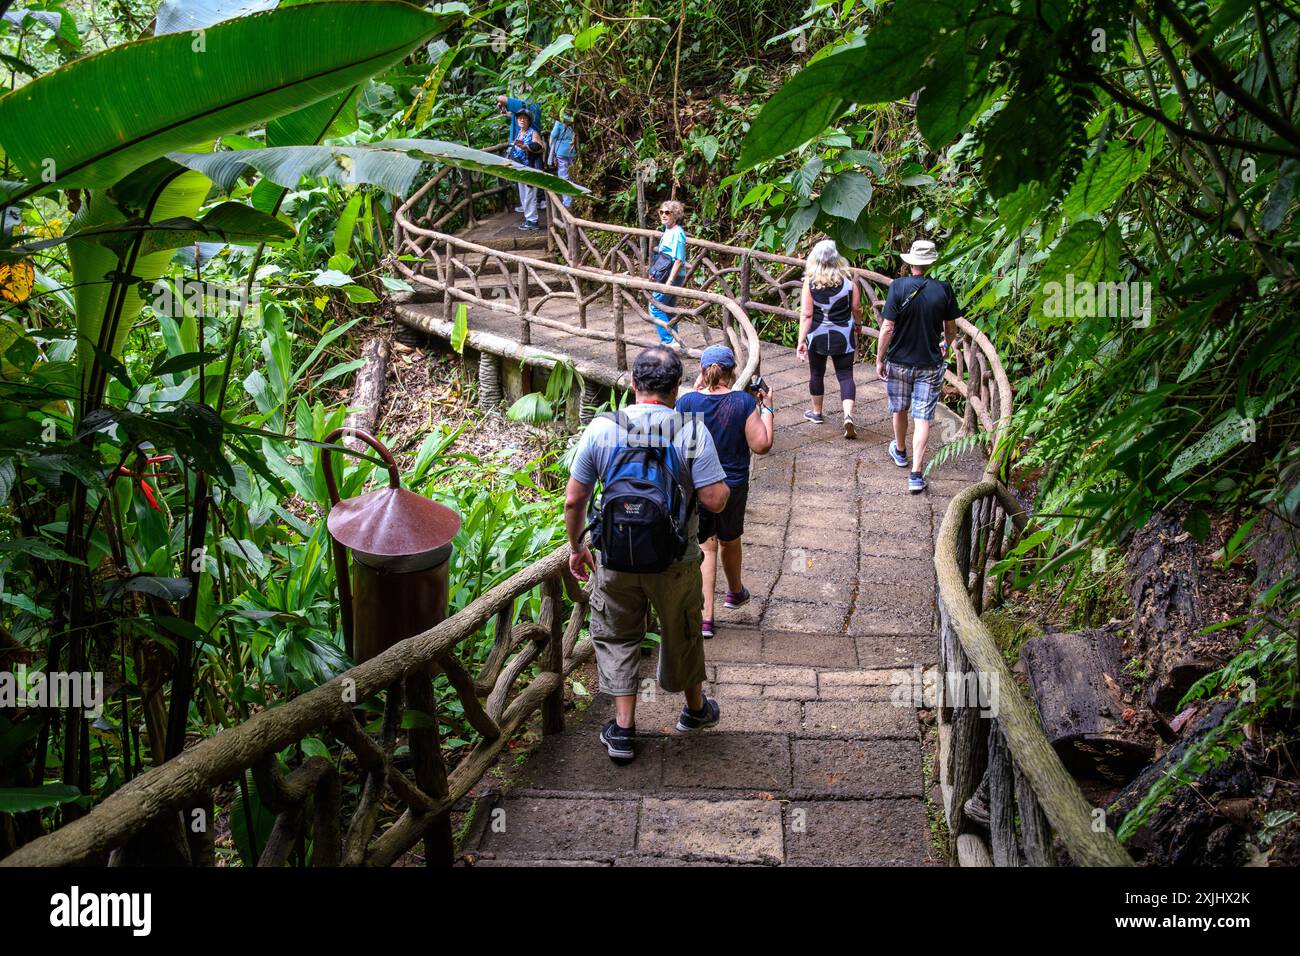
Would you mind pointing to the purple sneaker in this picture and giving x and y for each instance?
(735, 600)
(707, 629)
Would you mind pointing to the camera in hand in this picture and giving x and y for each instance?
(756, 384)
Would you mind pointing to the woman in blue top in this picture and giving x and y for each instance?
(562, 149)
(526, 149)
(668, 266)
(738, 423)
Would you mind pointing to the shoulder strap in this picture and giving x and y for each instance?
(908, 301)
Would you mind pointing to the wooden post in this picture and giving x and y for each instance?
(430, 771)
(468, 185)
(446, 282)
(525, 337)
(553, 657)
(571, 234)
(1035, 832)
(620, 346)
(976, 369)
(1002, 808)
(968, 745)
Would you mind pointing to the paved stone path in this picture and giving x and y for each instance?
(813, 762)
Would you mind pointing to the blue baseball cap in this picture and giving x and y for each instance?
(718, 355)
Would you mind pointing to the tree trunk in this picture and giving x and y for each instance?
(1164, 586)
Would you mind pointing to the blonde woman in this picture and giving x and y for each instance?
(829, 315)
(668, 265)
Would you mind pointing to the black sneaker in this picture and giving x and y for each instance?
(690, 720)
(618, 741)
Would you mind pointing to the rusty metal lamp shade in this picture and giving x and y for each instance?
(393, 529)
(400, 544)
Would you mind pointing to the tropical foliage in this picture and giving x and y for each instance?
(1122, 221)
(194, 224)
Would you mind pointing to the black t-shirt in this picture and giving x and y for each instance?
(918, 328)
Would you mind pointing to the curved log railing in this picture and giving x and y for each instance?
(990, 737)
(308, 799)
(460, 268)
(758, 281)
(771, 283)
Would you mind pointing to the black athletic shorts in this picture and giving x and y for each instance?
(729, 523)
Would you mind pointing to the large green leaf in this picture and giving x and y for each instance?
(1087, 254)
(333, 116)
(92, 121)
(25, 799)
(393, 165)
(1107, 174)
(228, 222)
(561, 44)
(946, 105)
(803, 107)
(799, 222)
(846, 196)
(92, 262)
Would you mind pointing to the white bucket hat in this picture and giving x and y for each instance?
(923, 253)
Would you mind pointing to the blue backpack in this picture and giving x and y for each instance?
(639, 524)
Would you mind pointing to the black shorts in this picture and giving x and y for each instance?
(729, 523)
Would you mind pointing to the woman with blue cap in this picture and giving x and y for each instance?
(739, 422)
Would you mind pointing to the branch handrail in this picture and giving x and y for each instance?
(404, 671)
(1000, 751)
(579, 228)
(450, 255)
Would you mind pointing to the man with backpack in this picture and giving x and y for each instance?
(655, 466)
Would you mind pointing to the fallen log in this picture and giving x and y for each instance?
(368, 390)
(1075, 679)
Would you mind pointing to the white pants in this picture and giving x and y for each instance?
(562, 170)
(528, 199)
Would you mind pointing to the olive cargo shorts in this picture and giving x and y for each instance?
(619, 601)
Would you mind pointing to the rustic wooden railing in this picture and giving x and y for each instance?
(758, 281)
(307, 801)
(992, 746)
(991, 740)
(528, 287)
(769, 282)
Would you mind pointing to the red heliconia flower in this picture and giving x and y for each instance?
(149, 495)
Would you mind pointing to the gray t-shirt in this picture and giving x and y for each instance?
(692, 440)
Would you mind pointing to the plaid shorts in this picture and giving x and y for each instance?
(914, 385)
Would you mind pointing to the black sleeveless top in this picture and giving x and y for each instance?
(832, 325)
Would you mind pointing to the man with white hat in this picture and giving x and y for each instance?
(920, 313)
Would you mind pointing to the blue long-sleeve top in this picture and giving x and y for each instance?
(562, 141)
